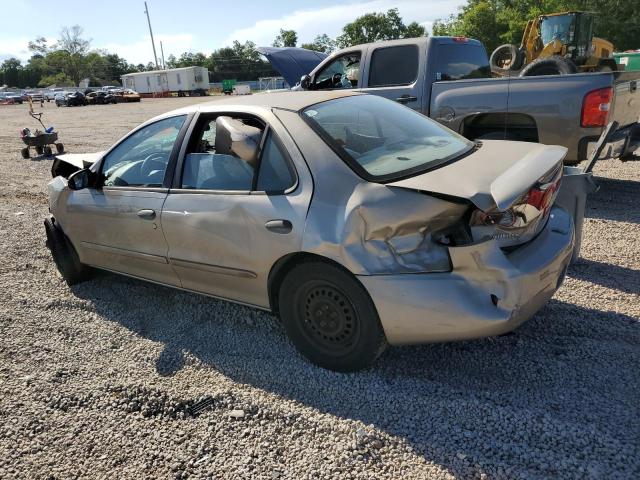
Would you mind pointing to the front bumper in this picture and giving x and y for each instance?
(488, 292)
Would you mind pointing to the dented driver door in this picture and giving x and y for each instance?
(225, 232)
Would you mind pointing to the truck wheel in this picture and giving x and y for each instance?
(64, 255)
(507, 58)
(25, 152)
(554, 65)
(330, 318)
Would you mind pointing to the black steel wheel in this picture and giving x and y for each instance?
(39, 149)
(59, 148)
(25, 152)
(330, 318)
(47, 151)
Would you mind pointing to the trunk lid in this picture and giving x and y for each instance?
(493, 177)
(513, 185)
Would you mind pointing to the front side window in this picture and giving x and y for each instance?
(142, 158)
(394, 66)
(343, 72)
(382, 140)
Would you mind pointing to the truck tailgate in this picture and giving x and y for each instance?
(626, 101)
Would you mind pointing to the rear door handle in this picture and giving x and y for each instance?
(147, 214)
(279, 226)
(406, 98)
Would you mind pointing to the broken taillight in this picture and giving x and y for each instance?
(596, 107)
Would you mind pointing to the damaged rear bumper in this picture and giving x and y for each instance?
(488, 292)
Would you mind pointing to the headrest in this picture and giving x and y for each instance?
(235, 138)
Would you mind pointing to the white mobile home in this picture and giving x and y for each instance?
(191, 80)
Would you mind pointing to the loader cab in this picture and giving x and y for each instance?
(572, 30)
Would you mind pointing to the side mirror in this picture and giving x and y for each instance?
(80, 179)
(305, 82)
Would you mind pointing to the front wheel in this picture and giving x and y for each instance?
(64, 255)
(330, 318)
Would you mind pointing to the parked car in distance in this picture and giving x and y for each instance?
(70, 99)
(449, 79)
(99, 97)
(50, 94)
(36, 96)
(4, 100)
(357, 220)
(125, 95)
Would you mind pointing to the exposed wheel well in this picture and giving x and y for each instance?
(516, 126)
(284, 265)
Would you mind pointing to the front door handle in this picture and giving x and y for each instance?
(147, 214)
(406, 98)
(279, 226)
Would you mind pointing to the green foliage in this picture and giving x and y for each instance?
(59, 80)
(322, 43)
(495, 22)
(374, 27)
(286, 38)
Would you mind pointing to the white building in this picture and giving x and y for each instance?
(192, 80)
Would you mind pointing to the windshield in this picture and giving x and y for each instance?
(383, 140)
(556, 28)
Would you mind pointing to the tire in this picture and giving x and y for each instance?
(39, 149)
(60, 148)
(25, 152)
(554, 65)
(505, 53)
(330, 318)
(64, 255)
(47, 151)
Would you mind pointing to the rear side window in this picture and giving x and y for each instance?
(394, 66)
(460, 61)
(275, 174)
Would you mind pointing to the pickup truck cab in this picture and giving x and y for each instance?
(449, 79)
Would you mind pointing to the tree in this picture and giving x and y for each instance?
(374, 27)
(71, 51)
(495, 22)
(286, 38)
(322, 43)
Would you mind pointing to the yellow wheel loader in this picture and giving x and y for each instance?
(556, 44)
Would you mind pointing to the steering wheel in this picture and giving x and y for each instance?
(336, 80)
(155, 161)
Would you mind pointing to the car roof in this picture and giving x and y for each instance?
(284, 100)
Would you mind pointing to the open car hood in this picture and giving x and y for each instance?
(292, 62)
(494, 176)
(68, 163)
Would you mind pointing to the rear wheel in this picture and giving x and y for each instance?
(59, 148)
(47, 151)
(330, 318)
(64, 255)
(25, 152)
(39, 149)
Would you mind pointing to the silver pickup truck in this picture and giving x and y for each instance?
(449, 79)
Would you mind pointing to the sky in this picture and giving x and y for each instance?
(120, 26)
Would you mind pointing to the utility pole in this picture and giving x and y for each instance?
(164, 66)
(153, 44)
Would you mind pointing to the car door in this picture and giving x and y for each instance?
(394, 72)
(344, 71)
(235, 209)
(116, 225)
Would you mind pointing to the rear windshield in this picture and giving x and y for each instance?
(383, 140)
(459, 61)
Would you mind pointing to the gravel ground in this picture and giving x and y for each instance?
(96, 381)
